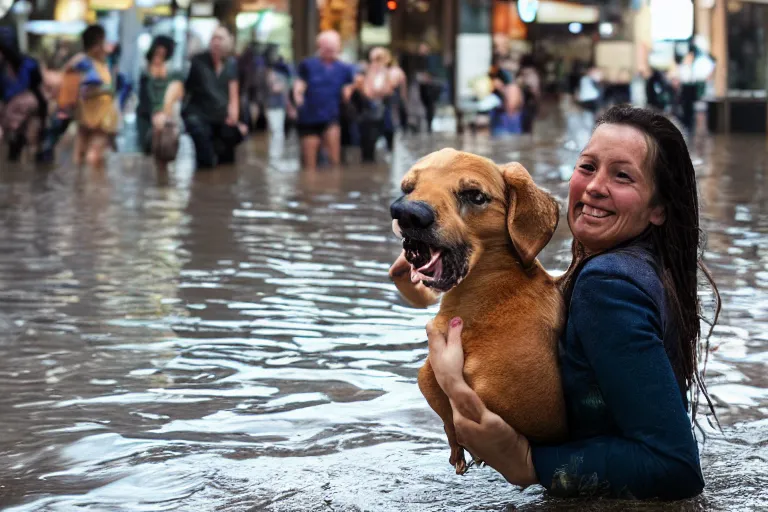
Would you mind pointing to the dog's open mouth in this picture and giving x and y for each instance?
(440, 268)
(426, 262)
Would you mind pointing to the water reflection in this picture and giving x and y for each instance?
(228, 340)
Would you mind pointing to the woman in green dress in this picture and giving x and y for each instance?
(159, 91)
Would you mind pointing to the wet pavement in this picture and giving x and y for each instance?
(229, 340)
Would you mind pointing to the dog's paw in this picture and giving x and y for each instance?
(461, 466)
(457, 460)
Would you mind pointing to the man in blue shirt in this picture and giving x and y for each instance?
(323, 83)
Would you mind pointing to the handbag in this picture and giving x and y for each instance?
(165, 142)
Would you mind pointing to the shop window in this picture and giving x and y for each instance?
(746, 46)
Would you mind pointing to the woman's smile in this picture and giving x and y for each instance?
(591, 211)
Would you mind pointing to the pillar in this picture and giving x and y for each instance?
(719, 30)
(304, 24)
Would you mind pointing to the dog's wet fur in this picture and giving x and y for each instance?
(488, 223)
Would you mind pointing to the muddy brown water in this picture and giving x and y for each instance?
(229, 340)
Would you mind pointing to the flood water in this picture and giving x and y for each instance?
(229, 340)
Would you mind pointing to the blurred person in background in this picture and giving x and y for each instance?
(589, 94)
(397, 105)
(430, 88)
(323, 83)
(277, 98)
(507, 117)
(377, 90)
(23, 107)
(530, 86)
(211, 110)
(160, 91)
(351, 111)
(692, 73)
(252, 72)
(97, 115)
(659, 92)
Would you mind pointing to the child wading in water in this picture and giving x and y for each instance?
(97, 115)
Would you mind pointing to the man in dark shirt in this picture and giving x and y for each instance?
(323, 83)
(211, 110)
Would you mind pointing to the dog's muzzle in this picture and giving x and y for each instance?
(432, 262)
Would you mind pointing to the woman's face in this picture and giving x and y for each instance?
(158, 57)
(609, 198)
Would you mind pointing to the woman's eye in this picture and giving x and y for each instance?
(587, 167)
(624, 176)
(475, 197)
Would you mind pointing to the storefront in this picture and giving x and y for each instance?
(265, 22)
(738, 33)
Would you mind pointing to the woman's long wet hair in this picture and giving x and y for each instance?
(678, 242)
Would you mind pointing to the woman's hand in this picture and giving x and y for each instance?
(416, 294)
(158, 120)
(493, 441)
(446, 355)
(484, 434)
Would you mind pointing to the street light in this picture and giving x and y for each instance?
(527, 10)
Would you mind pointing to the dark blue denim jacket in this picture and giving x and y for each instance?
(630, 435)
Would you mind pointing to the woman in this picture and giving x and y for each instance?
(277, 102)
(377, 88)
(589, 95)
(629, 349)
(23, 107)
(396, 103)
(530, 86)
(97, 115)
(160, 90)
(507, 117)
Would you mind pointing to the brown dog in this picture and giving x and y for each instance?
(472, 230)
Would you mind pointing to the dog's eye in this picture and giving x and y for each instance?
(476, 197)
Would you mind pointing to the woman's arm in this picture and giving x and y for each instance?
(73, 63)
(483, 433)
(377, 83)
(513, 98)
(654, 453)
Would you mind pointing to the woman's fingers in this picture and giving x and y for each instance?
(435, 339)
(454, 331)
(399, 267)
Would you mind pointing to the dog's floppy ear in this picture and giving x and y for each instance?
(532, 214)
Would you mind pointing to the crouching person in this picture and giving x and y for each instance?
(211, 107)
(160, 90)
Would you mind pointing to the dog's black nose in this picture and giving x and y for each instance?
(412, 214)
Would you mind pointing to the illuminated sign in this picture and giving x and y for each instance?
(110, 5)
(5, 6)
(671, 20)
(527, 9)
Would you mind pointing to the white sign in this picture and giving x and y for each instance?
(473, 60)
(671, 20)
(202, 10)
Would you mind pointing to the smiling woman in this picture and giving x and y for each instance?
(612, 197)
(629, 350)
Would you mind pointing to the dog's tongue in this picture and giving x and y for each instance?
(435, 265)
